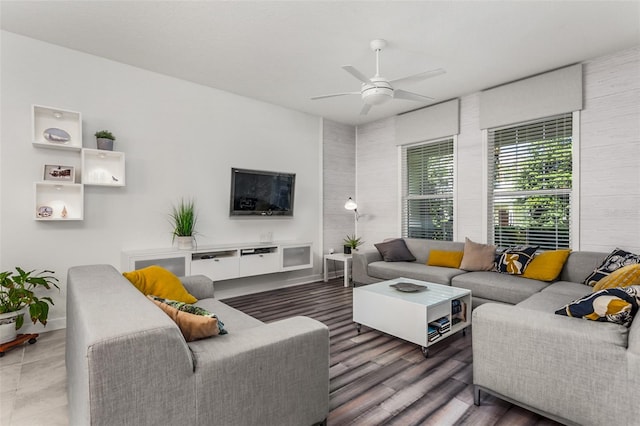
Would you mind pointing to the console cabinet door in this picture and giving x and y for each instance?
(218, 269)
(257, 264)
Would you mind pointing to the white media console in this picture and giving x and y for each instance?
(225, 262)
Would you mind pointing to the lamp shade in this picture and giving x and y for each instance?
(350, 204)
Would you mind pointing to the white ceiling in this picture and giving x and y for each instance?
(287, 51)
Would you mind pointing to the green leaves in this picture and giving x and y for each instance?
(352, 241)
(184, 218)
(17, 291)
(105, 134)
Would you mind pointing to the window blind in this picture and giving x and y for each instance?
(427, 188)
(530, 180)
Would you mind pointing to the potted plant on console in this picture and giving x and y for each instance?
(104, 140)
(17, 296)
(184, 218)
(351, 243)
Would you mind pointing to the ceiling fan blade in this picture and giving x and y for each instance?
(333, 95)
(357, 74)
(365, 109)
(410, 96)
(418, 77)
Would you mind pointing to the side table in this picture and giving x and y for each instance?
(339, 257)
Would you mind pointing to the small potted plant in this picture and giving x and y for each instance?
(351, 243)
(105, 140)
(17, 295)
(184, 218)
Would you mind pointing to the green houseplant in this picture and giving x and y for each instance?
(183, 218)
(351, 243)
(105, 140)
(17, 294)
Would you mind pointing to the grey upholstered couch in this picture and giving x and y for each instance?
(485, 286)
(572, 370)
(128, 363)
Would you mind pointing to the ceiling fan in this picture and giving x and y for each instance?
(377, 89)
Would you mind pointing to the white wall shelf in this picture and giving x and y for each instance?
(56, 201)
(44, 117)
(65, 201)
(226, 262)
(103, 168)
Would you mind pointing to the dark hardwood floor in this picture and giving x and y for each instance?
(378, 379)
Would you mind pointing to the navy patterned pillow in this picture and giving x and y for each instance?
(514, 260)
(616, 260)
(616, 305)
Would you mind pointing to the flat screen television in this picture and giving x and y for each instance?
(261, 193)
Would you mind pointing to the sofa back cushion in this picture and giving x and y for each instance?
(580, 264)
(421, 247)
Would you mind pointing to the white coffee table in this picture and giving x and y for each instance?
(407, 314)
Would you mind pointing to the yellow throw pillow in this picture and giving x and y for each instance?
(159, 282)
(623, 277)
(448, 259)
(547, 265)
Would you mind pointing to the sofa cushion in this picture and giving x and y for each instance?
(415, 270)
(579, 264)
(546, 301)
(515, 260)
(498, 287)
(159, 282)
(567, 288)
(194, 322)
(623, 277)
(395, 251)
(546, 266)
(421, 248)
(616, 260)
(447, 259)
(234, 320)
(477, 257)
(616, 305)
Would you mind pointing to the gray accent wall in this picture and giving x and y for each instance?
(607, 174)
(338, 181)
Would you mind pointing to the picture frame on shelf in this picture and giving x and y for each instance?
(59, 173)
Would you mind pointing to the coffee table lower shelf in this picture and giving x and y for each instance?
(413, 316)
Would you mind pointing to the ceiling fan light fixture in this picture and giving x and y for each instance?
(376, 95)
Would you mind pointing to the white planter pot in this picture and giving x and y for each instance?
(8, 330)
(185, 243)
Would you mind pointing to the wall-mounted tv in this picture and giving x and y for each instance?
(262, 193)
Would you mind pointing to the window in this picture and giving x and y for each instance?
(530, 175)
(427, 189)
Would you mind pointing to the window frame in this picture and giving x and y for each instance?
(403, 184)
(574, 231)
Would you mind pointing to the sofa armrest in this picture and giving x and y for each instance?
(200, 286)
(550, 362)
(360, 265)
(277, 373)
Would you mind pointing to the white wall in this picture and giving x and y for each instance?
(180, 140)
(609, 177)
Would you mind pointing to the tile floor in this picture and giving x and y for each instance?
(33, 383)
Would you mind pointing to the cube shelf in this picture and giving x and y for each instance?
(58, 201)
(44, 118)
(104, 168)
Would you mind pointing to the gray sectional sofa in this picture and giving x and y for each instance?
(485, 286)
(571, 370)
(128, 363)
